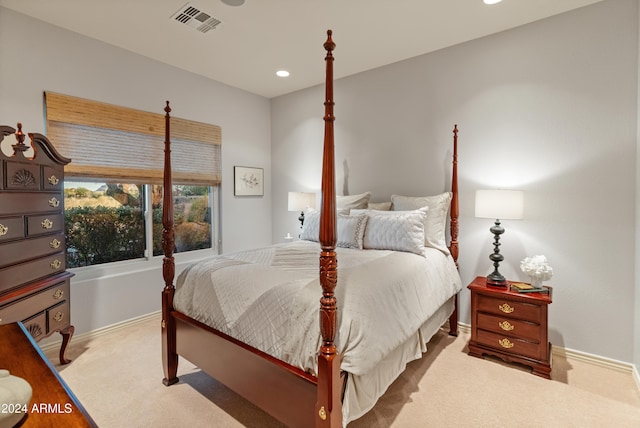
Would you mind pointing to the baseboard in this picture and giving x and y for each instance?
(55, 344)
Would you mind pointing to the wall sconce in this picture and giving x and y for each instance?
(300, 201)
(498, 204)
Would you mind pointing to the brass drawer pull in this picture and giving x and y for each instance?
(53, 180)
(56, 264)
(53, 202)
(58, 316)
(55, 243)
(506, 343)
(506, 325)
(58, 294)
(46, 224)
(3, 230)
(506, 308)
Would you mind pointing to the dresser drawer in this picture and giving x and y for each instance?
(509, 308)
(22, 273)
(15, 252)
(509, 326)
(22, 202)
(23, 176)
(52, 178)
(506, 343)
(39, 224)
(11, 228)
(34, 304)
(58, 317)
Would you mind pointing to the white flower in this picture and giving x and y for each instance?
(537, 267)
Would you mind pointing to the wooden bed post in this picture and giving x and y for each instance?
(169, 352)
(329, 402)
(453, 246)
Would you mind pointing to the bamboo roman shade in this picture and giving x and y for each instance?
(118, 143)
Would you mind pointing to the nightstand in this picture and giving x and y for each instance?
(510, 325)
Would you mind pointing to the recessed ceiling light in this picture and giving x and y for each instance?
(492, 1)
(282, 73)
(233, 2)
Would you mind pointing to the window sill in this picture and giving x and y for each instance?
(107, 270)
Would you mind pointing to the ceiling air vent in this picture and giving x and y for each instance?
(195, 18)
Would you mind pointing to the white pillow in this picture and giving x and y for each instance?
(435, 224)
(397, 231)
(350, 229)
(380, 206)
(311, 226)
(353, 201)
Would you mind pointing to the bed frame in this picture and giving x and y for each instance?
(289, 394)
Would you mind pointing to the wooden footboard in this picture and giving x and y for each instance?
(286, 393)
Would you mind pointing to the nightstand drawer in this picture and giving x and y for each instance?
(510, 308)
(506, 343)
(509, 326)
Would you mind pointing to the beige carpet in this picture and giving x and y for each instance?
(117, 377)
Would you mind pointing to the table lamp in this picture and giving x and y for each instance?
(499, 205)
(299, 201)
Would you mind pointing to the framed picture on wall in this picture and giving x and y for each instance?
(248, 181)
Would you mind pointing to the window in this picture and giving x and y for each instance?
(113, 188)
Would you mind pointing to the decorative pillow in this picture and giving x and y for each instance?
(311, 226)
(379, 206)
(351, 229)
(435, 224)
(397, 231)
(353, 201)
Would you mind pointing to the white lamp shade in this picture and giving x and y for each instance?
(500, 204)
(299, 201)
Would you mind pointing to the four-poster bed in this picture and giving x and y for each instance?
(309, 380)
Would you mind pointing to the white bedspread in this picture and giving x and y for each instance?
(269, 299)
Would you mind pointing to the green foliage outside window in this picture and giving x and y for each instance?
(102, 234)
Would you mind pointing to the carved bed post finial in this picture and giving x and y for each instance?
(328, 405)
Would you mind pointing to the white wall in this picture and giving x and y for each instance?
(37, 56)
(549, 108)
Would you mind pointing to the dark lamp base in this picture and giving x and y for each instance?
(497, 282)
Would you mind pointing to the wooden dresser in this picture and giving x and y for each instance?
(510, 325)
(34, 285)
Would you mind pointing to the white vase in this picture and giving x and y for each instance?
(15, 393)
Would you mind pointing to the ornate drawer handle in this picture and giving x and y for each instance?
(53, 202)
(506, 308)
(322, 413)
(506, 325)
(53, 180)
(46, 224)
(3, 230)
(55, 243)
(56, 264)
(58, 316)
(506, 343)
(58, 294)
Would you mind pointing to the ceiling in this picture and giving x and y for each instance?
(262, 36)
